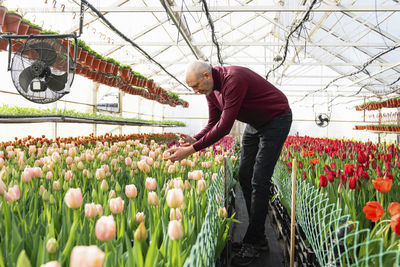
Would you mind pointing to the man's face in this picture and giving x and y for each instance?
(202, 84)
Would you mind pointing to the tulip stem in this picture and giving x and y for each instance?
(68, 246)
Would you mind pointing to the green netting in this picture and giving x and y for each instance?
(335, 240)
(203, 251)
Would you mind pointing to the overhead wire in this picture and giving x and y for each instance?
(295, 29)
(112, 27)
(213, 36)
(365, 65)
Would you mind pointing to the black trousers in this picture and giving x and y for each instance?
(259, 153)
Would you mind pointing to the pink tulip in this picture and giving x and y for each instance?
(80, 165)
(90, 210)
(51, 264)
(100, 174)
(175, 214)
(171, 168)
(140, 217)
(49, 175)
(1, 154)
(68, 175)
(106, 168)
(1, 162)
(13, 194)
(195, 175)
(142, 165)
(175, 230)
(128, 161)
(130, 191)
(56, 185)
(153, 199)
(86, 256)
(105, 228)
(3, 187)
(68, 160)
(222, 212)
(178, 183)
(175, 198)
(51, 245)
(152, 154)
(26, 175)
(116, 205)
(141, 232)
(103, 157)
(72, 152)
(104, 186)
(150, 184)
(149, 161)
(201, 186)
(99, 209)
(73, 198)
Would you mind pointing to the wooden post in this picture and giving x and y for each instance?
(293, 213)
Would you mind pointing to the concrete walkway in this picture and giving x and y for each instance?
(274, 257)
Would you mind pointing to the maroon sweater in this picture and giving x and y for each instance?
(239, 94)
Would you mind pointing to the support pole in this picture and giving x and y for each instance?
(293, 213)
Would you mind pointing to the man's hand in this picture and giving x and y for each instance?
(186, 140)
(180, 153)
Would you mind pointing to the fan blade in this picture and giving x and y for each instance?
(25, 78)
(56, 82)
(46, 52)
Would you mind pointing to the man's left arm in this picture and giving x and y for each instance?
(233, 97)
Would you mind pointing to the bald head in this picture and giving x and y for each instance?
(197, 68)
(199, 77)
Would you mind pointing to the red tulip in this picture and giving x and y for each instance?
(333, 165)
(373, 211)
(351, 157)
(379, 172)
(398, 164)
(394, 208)
(395, 224)
(304, 176)
(352, 182)
(323, 181)
(382, 184)
(388, 175)
(300, 165)
(331, 176)
(348, 170)
(373, 164)
(343, 179)
(361, 157)
(365, 175)
(327, 169)
(343, 156)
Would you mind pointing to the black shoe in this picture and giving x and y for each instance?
(246, 255)
(264, 247)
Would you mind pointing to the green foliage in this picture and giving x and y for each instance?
(8, 110)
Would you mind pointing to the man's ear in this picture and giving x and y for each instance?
(207, 75)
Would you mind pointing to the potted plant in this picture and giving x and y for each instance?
(34, 29)
(3, 11)
(11, 22)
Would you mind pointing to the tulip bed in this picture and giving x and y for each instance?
(347, 199)
(110, 201)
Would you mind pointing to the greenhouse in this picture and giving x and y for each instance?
(199, 133)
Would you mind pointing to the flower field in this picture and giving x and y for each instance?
(359, 179)
(108, 200)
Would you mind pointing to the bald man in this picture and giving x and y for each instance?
(237, 93)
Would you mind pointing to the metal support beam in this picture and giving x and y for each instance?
(179, 24)
(222, 9)
(251, 44)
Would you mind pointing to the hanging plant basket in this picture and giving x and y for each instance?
(96, 63)
(83, 55)
(109, 67)
(3, 44)
(34, 30)
(23, 28)
(115, 70)
(102, 66)
(3, 11)
(11, 23)
(15, 46)
(89, 60)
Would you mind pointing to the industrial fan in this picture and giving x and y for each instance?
(42, 70)
(322, 119)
